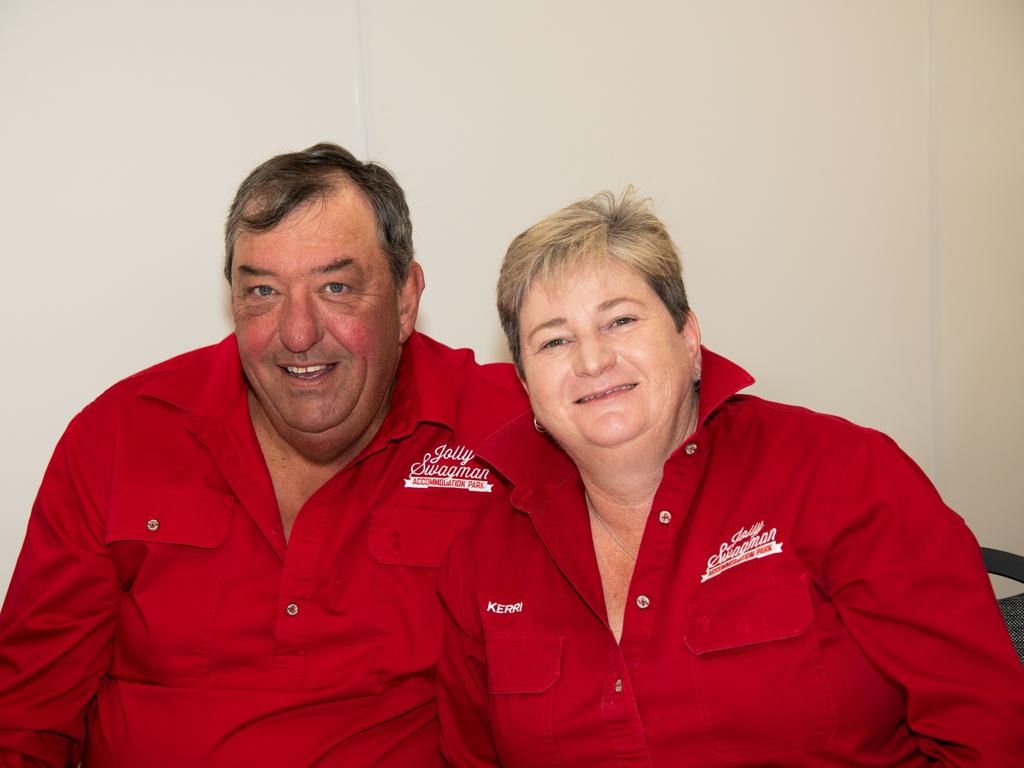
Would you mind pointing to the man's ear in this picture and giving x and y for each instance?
(409, 301)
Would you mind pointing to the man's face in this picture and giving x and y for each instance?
(320, 323)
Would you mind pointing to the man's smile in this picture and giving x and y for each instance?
(309, 371)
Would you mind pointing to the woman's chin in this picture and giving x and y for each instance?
(606, 436)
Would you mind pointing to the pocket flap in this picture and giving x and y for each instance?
(193, 517)
(414, 535)
(772, 609)
(522, 662)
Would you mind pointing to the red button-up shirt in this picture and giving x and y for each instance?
(157, 616)
(802, 597)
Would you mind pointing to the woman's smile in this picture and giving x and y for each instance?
(604, 394)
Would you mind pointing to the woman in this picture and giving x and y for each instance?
(688, 576)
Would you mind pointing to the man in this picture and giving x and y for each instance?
(232, 557)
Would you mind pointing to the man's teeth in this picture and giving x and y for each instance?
(607, 392)
(308, 369)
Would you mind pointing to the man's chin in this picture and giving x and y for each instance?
(306, 414)
(312, 428)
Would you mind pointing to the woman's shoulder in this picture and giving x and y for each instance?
(794, 425)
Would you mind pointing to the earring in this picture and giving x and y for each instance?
(538, 426)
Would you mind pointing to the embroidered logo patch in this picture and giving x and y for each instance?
(746, 544)
(449, 467)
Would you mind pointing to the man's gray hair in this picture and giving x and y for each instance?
(286, 182)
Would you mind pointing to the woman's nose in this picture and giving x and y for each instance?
(593, 356)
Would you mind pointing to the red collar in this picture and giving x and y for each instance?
(424, 390)
(530, 460)
(208, 383)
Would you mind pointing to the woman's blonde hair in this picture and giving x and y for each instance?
(585, 235)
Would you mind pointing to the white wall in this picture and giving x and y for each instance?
(978, 247)
(844, 180)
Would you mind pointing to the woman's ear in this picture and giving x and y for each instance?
(691, 338)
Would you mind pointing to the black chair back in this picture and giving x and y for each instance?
(1010, 566)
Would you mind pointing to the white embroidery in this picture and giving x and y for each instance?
(448, 467)
(493, 607)
(746, 544)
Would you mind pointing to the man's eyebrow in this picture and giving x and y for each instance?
(245, 269)
(332, 266)
(323, 269)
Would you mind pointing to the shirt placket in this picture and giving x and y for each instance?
(622, 716)
(296, 610)
(298, 607)
(620, 702)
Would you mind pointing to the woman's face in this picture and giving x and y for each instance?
(604, 364)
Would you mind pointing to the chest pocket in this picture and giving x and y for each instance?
(168, 546)
(757, 669)
(407, 544)
(522, 670)
(417, 536)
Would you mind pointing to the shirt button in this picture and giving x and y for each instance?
(665, 517)
(691, 448)
(292, 609)
(642, 602)
(153, 525)
(618, 685)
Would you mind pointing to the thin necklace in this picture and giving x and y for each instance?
(604, 525)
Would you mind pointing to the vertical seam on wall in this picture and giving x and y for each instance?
(934, 353)
(362, 81)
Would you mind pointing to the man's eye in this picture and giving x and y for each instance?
(335, 288)
(262, 291)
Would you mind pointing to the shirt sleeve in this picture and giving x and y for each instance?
(462, 697)
(907, 576)
(57, 622)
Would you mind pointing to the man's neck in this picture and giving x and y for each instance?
(333, 448)
(300, 464)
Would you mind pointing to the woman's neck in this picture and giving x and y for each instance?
(621, 482)
(629, 475)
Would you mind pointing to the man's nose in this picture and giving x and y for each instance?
(300, 326)
(594, 355)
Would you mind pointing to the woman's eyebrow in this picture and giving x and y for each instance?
(554, 322)
(604, 306)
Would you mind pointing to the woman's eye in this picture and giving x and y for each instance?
(335, 288)
(262, 291)
(552, 343)
(623, 320)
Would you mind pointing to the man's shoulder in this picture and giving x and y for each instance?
(464, 359)
(175, 374)
(488, 395)
(462, 370)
